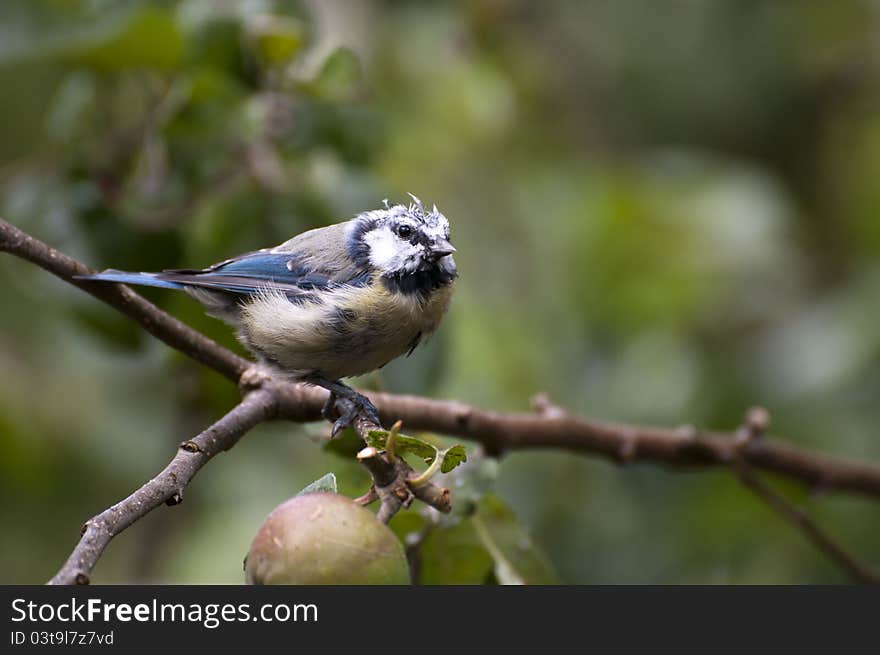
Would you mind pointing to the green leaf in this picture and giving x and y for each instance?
(517, 559)
(454, 555)
(326, 484)
(452, 457)
(403, 445)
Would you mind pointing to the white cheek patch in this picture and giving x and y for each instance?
(388, 253)
(382, 247)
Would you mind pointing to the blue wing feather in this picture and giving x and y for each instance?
(311, 261)
(244, 275)
(259, 266)
(124, 277)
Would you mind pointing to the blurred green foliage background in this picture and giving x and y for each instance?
(663, 215)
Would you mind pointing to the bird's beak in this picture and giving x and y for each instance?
(441, 247)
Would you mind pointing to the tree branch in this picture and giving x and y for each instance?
(684, 446)
(257, 406)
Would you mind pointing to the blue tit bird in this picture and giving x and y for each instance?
(333, 302)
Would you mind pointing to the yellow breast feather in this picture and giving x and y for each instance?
(346, 332)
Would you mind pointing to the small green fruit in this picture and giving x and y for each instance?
(325, 538)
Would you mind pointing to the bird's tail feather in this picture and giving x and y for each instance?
(124, 277)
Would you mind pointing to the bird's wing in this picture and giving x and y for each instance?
(311, 261)
(323, 250)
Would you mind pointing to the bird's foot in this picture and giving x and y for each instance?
(344, 410)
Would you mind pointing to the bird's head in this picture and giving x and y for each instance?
(404, 241)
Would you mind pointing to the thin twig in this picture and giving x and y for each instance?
(798, 518)
(167, 487)
(751, 431)
(393, 484)
(391, 488)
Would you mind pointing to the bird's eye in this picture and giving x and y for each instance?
(404, 231)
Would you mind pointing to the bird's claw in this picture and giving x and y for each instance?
(345, 418)
(368, 409)
(343, 412)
